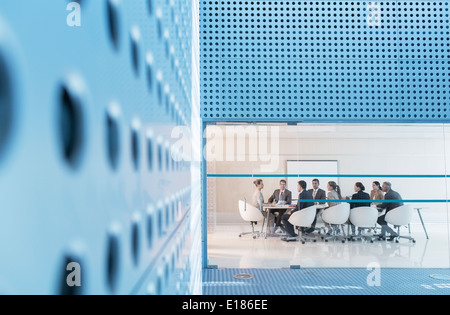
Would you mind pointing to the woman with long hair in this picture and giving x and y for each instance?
(258, 202)
(376, 193)
(334, 193)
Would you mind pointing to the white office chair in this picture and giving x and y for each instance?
(398, 217)
(250, 214)
(364, 217)
(304, 219)
(337, 216)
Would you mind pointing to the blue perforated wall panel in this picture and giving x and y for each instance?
(325, 61)
(86, 170)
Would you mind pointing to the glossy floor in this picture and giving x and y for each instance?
(227, 250)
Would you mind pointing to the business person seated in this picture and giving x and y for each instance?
(390, 195)
(258, 201)
(318, 194)
(359, 195)
(280, 196)
(334, 193)
(304, 195)
(376, 193)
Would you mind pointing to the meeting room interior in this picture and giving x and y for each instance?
(253, 175)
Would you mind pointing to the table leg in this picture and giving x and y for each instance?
(262, 227)
(423, 224)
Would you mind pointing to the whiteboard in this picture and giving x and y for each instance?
(311, 168)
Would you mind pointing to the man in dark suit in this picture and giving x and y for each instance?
(318, 194)
(304, 195)
(280, 195)
(390, 195)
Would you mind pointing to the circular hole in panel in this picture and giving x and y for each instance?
(149, 71)
(112, 10)
(135, 242)
(150, 226)
(113, 135)
(6, 107)
(112, 262)
(150, 6)
(70, 121)
(135, 144)
(135, 55)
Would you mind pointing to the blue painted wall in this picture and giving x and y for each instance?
(86, 172)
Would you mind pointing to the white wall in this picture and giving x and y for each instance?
(365, 149)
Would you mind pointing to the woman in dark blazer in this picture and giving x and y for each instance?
(360, 195)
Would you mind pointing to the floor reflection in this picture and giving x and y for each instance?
(226, 250)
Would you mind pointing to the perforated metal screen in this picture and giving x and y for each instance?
(87, 171)
(383, 61)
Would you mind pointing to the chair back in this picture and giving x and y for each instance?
(249, 213)
(304, 217)
(400, 216)
(338, 214)
(364, 217)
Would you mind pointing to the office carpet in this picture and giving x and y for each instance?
(326, 282)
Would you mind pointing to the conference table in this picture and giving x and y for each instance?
(421, 220)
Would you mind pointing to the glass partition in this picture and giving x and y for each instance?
(414, 159)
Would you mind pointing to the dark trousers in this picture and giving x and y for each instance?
(381, 220)
(385, 227)
(313, 225)
(288, 227)
(279, 217)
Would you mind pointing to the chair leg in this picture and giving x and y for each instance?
(246, 233)
(334, 235)
(403, 237)
(300, 236)
(253, 233)
(303, 238)
(354, 236)
(369, 238)
(331, 237)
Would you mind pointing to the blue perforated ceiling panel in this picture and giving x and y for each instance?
(329, 61)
